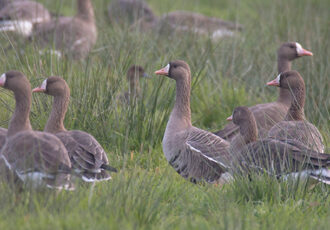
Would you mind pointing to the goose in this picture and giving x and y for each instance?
(194, 153)
(87, 156)
(21, 16)
(295, 126)
(36, 158)
(184, 21)
(134, 74)
(198, 23)
(281, 158)
(73, 36)
(268, 114)
(129, 11)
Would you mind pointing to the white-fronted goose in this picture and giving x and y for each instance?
(134, 74)
(198, 23)
(268, 114)
(87, 156)
(129, 11)
(194, 153)
(73, 36)
(281, 158)
(295, 126)
(37, 158)
(21, 16)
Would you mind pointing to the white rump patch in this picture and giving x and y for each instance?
(221, 33)
(90, 180)
(36, 178)
(23, 27)
(3, 79)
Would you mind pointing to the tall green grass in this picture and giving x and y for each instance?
(147, 193)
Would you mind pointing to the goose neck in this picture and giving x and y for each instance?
(55, 121)
(20, 120)
(296, 110)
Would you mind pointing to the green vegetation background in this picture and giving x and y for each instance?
(147, 193)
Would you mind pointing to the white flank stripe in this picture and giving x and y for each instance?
(209, 158)
(6, 162)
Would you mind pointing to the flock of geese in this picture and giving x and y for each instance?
(273, 138)
(75, 36)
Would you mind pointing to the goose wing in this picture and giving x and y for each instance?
(209, 146)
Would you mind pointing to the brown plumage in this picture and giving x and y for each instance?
(35, 157)
(295, 126)
(195, 154)
(73, 36)
(134, 74)
(276, 157)
(129, 11)
(268, 114)
(21, 16)
(3, 134)
(87, 156)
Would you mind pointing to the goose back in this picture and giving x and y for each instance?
(21, 16)
(73, 36)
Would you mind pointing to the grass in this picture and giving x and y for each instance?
(147, 193)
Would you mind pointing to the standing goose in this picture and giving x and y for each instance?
(134, 74)
(295, 126)
(281, 158)
(21, 16)
(74, 36)
(36, 158)
(86, 154)
(268, 114)
(194, 153)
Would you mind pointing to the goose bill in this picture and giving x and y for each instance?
(163, 71)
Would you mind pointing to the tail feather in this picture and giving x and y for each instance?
(96, 177)
(109, 168)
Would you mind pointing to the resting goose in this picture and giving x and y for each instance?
(21, 16)
(129, 11)
(36, 158)
(194, 153)
(198, 23)
(282, 158)
(295, 126)
(73, 36)
(87, 156)
(268, 114)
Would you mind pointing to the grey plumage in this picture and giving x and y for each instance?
(73, 36)
(36, 158)
(268, 114)
(195, 154)
(87, 156)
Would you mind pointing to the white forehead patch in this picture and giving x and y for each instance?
(299, 48)
(3, 79)
(44, 84)
(167, 68)
(278, 78)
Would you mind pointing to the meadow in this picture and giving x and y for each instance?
(147, 193)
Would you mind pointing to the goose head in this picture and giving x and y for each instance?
(54, 86)
(177, 70)
(292, 50)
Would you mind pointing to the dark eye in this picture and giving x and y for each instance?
(292, 46)
(174, 66)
